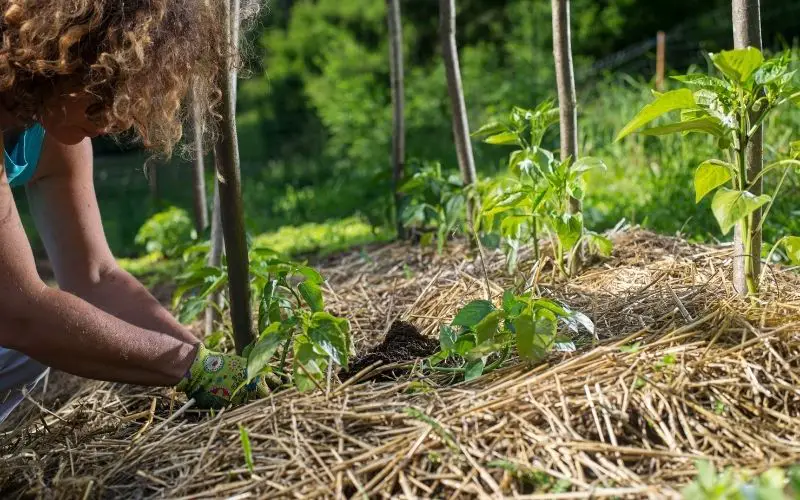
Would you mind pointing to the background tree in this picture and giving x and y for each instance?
(747, 33)
(447, 27)
(230, 193)
(398, 104)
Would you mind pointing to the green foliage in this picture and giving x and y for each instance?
(481, 337)
(774, 484)
(731, 110)
(291, 317)
(166, 232)
(247, 449)
(434, 204)
(532, 199)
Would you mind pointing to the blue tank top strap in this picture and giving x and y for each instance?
(22, 157)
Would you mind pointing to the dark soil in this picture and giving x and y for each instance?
(403, 343)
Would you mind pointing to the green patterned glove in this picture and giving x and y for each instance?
(213, 379)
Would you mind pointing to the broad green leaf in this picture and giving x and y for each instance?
(265, 347)
(599, 243)
(769, 72)
(707, 125)
(569, 228)
(664, 103)
(511, 227)
(311, 274)
(738, 64)
(794, 149)
(586, 164)
(439, 357)
(792, 246)
(312, 367)
(491, 128)
(474, 369)
(332, 334)
(472, 313)
(464, 344)
(535, 335)
(731, 206)
(702, 81)
(508, 301)
(191, 309)
(312, 294)
(576, 318)
(266, 306)
(710, 175)
(487, 328)
(447, 337)
(503, 138)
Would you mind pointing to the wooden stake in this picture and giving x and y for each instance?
(398, 105)
(199, 173)
(661, 54)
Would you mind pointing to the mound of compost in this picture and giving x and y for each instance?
(403, 343)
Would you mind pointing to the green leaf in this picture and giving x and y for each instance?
(738, 64)
(702, 81)
(464, 344)
(731, 206)
(792, 246)
(487, 328)
(491, 128)
(569, 228)
(191, 309)
(664, 103)
(710, 175)
(264, 349)
(474, 369)
(332, 334)
(244, 437)
(706, 124)
(586, 164)
(312, 294)
(599, 244)
(311, 274)
(266, 306)
(535, 335)
(447, 337)
(794, 149)
(503, 138)
(472, 313)
(305, 356)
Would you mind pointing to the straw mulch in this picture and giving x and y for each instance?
(680, 370)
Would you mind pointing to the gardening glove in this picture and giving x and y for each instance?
(213, 379)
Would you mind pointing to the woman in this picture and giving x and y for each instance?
(71, 70)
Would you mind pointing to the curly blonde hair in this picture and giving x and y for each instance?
(139, 58)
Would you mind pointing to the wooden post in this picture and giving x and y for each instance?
(229, 178)
(661, 54)
(747, 33)
(565, 80)
(398, 105)
(199, 173)
(466, 161)
(215, 257)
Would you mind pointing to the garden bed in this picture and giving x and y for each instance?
(681, 369)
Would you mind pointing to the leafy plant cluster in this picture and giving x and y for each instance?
(730, 108)
(774, 484)
(291, 316)
(167, 232)
(531, 201)
(435, 204)
(481, 337)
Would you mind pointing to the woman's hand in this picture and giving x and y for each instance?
(216, 380)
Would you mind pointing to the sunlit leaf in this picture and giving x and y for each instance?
(307, 367)
(664, 103)
(312, 294)
(491, 128)
(332, 335)
(535, 335)
(447, 337)
(707, 125)
(588, 163)
(264, 349)
(702, 81)
(710, 175)
(487, 328)
(472, 313)
(738, 64)
(244, 438)
(503, 138)
(569, 228)
(731, 206)
(599, 243)
(474, 369)
(792, 246)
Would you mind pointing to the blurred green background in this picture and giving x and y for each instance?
(315, 117)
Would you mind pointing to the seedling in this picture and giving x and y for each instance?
(480, 333)
(291, 317)
(435, 204)
(711, 484)
(532, 200)
(730, 108)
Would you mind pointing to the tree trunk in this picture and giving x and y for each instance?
(565, 80)
(398, 106)
(215, 257)
(199, 171)
(231, 210)
(747, 261)
(466, 161)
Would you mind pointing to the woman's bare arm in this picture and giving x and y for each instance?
(64, 206)
(60, 330)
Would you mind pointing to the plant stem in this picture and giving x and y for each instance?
(285, 352)
(535, 235)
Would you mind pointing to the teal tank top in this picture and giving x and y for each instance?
(21, 155)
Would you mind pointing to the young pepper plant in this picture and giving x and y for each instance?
(532, 200)
(291, 317)
(480, 332)
(731, 108)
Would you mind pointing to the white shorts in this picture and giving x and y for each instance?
(17, 373)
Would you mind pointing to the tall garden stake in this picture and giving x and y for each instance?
(747, 234)
(398, 105)
(199, 173)
(215, 255)
(565, 80)
(466, 161)
(229, 178)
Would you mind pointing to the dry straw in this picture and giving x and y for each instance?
(681, 369)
